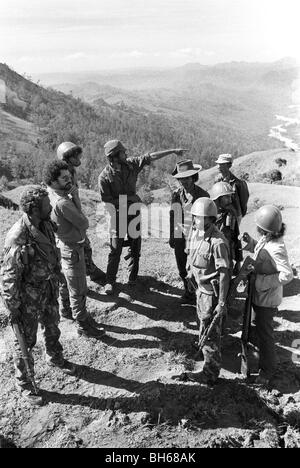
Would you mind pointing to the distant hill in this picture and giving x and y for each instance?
(209, 110)
(258, 163)
(255, 165)
(231, 106)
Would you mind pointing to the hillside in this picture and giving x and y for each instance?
(124, 394)
(258, 163)
(226, 108)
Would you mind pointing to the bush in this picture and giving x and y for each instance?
(3, 183)
(272, 176)
(281, 162)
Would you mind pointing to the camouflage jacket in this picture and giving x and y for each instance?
(30, 263)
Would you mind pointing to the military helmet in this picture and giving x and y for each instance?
(204, 207)
(220, 189)
(269, 218)
(67, 149)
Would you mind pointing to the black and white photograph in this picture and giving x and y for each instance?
(149, 226)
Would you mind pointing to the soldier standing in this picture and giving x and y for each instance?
(240, 188)
(72, 225)
(272, 271)
(209, 259)
(117, 181)
(72, 154)
(29, 286)
(227, 221)
(182, 200)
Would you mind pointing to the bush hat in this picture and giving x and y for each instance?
(186, 168)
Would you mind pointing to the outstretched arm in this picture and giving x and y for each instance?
(161, 154)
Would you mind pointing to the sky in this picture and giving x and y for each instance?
(42, 36)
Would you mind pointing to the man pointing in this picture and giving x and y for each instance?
(117, 185)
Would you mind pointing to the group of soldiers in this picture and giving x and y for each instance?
(47, 255)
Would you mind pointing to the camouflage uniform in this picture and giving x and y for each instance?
(29, 283)
(207, 254)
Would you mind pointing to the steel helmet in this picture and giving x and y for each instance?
(204, 207)
(65, 148)
(269, 218)
(220, 189)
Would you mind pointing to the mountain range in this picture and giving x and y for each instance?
(207, 109)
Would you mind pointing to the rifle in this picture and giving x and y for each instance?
(19, 332)
(245, 371)
(208, 330)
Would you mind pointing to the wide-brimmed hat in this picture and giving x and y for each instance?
(224, 159)
(186, 168)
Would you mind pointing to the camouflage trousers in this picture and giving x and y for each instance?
(44, 310)
(212, 349)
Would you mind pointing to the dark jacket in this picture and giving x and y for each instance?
(113, 183)
(181, 204)
(241, 195)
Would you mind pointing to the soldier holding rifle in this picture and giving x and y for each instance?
(29, 288)
(209, 261)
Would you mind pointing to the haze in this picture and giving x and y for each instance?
(73, 35)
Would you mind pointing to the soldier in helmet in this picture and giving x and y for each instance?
(239, 186)
(209, 259)
(227, 221)
(272, 271)
(187, 174)
(72, 154)
(117, 184)
(29, 285)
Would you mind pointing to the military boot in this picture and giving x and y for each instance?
(65, 366)
(89, 329)
(29, 395)
(98, 276)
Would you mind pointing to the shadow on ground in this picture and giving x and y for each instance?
(229, 404)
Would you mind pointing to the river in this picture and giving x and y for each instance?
(288, 129)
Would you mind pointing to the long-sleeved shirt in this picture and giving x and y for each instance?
(208, 253)
(273, 271)
(241, 194)
(71, 223)
(113, 183)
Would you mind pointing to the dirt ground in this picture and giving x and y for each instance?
(124, 395)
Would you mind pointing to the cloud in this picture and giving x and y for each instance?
(191, 53)
(130, 54)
